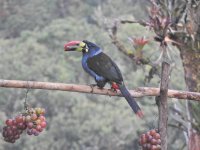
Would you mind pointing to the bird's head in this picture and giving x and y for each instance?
(81, 46)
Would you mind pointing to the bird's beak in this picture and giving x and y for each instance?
(72, 46)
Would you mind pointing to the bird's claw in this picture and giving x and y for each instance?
(113, 89)
(92, 87)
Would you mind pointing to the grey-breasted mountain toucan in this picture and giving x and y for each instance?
(102, 69)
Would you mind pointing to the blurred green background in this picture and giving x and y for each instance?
(32, 35)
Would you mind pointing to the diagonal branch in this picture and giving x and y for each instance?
(139, 92)
(141, 22)
(120, 46)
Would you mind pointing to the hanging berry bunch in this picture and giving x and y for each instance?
(32, 121)
(35, 121)
(150, 140)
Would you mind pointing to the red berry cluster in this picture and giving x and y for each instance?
(150, 140)
(13, 129)
(33, 120)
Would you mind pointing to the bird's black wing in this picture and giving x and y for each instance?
(103, 66)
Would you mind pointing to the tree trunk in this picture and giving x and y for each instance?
(191, 64)
(194, 141)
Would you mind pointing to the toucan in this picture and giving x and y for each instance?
(103, 69)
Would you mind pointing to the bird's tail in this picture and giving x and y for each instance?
(131, 101)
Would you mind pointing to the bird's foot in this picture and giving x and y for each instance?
(114, 87)
(92, 87)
